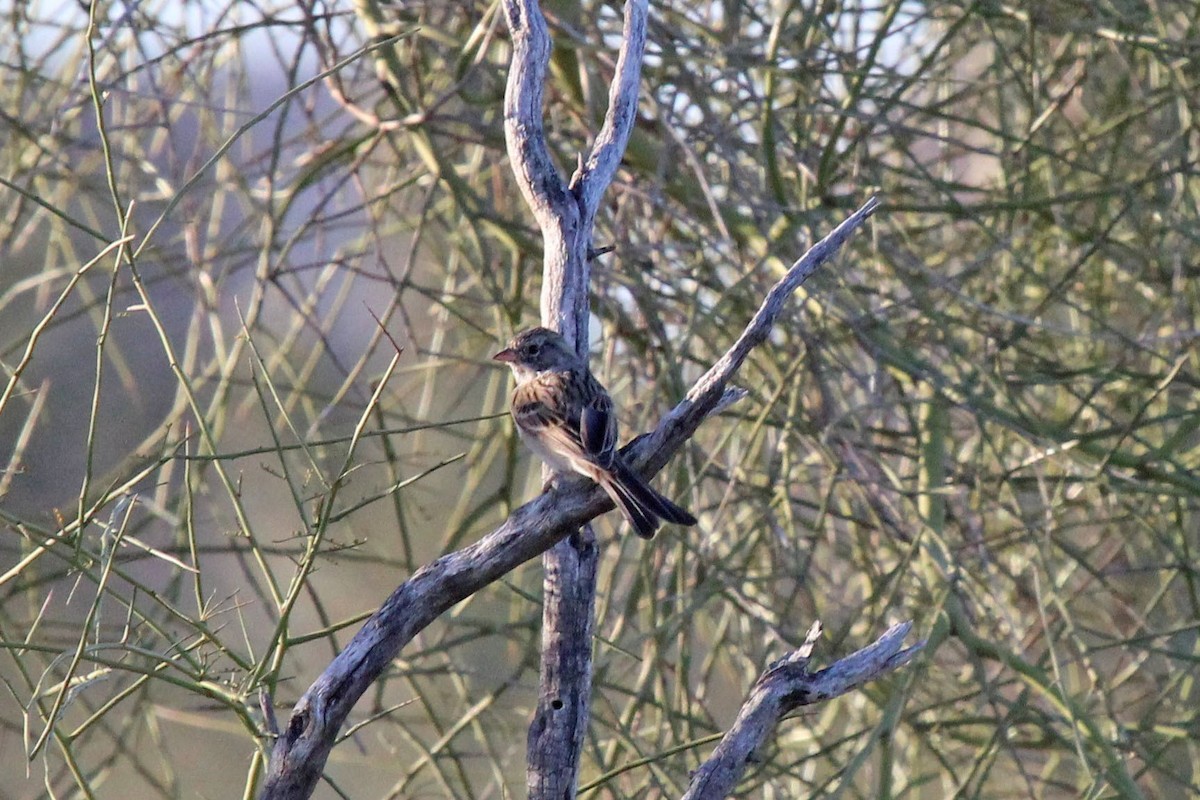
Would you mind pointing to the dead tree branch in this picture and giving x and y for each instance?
(785, 686)
(652, 451)
(303, 747)
(566, 213)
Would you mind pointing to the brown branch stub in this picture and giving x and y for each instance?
(782, 688)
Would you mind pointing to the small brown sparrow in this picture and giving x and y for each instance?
(566, 418)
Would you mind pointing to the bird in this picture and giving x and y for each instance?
(565, 416)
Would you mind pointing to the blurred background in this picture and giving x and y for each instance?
(223, 219)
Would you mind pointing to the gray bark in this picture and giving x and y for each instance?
(566, 214)
(304, 744)
(782, 688)
(555, 522)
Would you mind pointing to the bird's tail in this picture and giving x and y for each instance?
(641, 505)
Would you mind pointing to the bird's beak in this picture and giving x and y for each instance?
(507, 355)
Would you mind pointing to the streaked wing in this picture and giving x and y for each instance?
(598, 429)
(539, 410)
(532, 415)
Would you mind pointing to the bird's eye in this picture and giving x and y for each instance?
(533, 348)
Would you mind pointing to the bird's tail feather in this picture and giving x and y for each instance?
(643, 521)
(641, 505)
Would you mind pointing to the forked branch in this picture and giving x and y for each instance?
(565, 213)
(782, 688)
(304, 745)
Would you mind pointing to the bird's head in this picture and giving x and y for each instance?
(537, 350)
